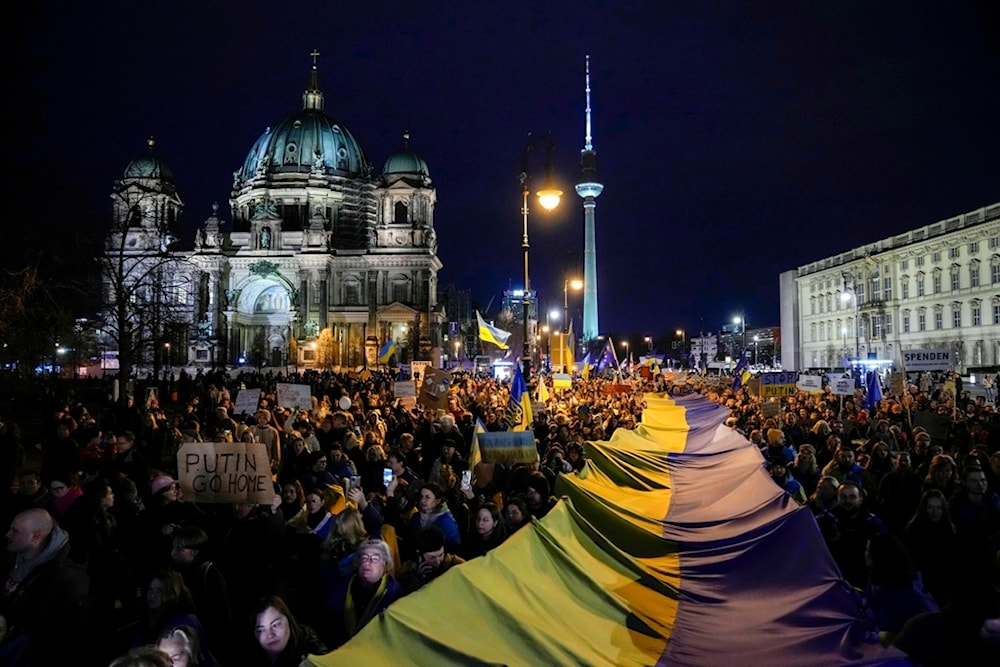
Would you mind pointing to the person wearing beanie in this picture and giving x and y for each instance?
(776, 447)
(778, 467)
(537, 493)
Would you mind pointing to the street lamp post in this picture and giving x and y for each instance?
(852, 294)
(625, 345)
(756, 340)
(683, 335)
(576, 284)
(548, 197)
(742, 321)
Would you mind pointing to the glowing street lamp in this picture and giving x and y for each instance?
(576, 284)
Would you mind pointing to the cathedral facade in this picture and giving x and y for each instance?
(322, 262)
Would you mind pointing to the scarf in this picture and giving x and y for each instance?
(352, 621)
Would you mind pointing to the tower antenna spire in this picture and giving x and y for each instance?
(588, 145)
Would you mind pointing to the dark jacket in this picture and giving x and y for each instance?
(50, 604)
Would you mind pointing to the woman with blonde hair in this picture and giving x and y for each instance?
(360, 598)
(805, 469)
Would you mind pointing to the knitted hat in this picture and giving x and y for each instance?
(161, 482)
(774, 435)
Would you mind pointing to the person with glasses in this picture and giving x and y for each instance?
(362, 597)
(65, 490)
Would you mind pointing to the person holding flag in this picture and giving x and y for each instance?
(518, 417)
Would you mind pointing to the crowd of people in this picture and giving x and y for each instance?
(371, 502)
(374, 499)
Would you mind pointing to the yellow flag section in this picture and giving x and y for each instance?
(593, 583)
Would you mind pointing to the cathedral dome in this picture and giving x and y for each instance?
(405, 161)
(149, 166)
(308, 141)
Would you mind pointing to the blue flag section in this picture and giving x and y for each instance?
(741, 374)
(608, 358)
(873, 391)
(519, 415)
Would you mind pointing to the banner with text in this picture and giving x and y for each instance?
(778, 384)
(842, 386)
(246, 402)
(928, 360)
(508, 447)
(295, 396)
(810, 383)
(225, 472)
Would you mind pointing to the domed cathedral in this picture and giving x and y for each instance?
(324, 262)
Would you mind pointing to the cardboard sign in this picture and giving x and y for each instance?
(770, 409)
(842, 386)
(419, 370)
(611, 389)
(246, 402)
(295, 396)
(897, 383)
(810, 383)
(225, 472)
(404, 389)
(508, 447)
(433, 389)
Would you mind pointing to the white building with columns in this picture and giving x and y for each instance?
(937, 286)
(321, 263)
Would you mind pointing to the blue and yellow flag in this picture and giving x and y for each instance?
(475, 453)
(387, 351)
(490, 334)
(741, 374)
(519, 417)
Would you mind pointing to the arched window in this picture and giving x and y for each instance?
(352, 291)
(401, 289)
(400, 213)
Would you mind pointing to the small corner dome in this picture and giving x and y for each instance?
(405, 161)
(149, 166)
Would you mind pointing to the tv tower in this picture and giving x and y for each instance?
(589, 189)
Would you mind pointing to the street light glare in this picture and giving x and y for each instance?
(549, 198)
(576, 283)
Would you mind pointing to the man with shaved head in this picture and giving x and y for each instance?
(44, 593)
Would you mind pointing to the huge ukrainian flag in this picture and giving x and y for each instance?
(672, 547)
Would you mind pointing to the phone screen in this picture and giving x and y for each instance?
(355, 482)
(386, 476)
(466, 478)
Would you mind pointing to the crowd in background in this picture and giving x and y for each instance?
(374, 498)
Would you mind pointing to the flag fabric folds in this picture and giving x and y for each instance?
(608, 358)
(661, 551)
(543, 391)
(491, 334)
(518, 417)
(741, 374)
(873, 393)
(475, 453)
(387, 351)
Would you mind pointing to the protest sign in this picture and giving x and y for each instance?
(938, 359)
(810, 383)
(433, 389)
(246, 402)
(225, 472)
(770, 409)
(419, 369)
(778, 384)
(294, 396)
(508, 447)
(403, 389)
(842, 386)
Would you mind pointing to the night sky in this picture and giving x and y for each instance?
(734, 141)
